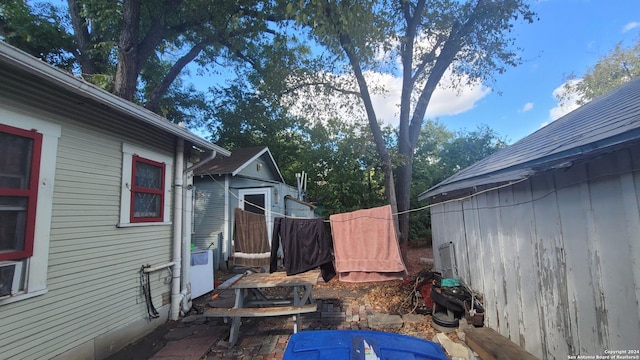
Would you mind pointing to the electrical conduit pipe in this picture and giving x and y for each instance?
(176, 295)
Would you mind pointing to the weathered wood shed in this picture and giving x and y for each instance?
(548, 230)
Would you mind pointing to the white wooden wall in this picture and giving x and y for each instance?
(557, 257)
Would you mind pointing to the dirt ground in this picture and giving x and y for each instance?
(378, 293)
(341, 290)
(389, 297)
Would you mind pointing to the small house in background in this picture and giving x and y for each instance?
(90, 210)
(548, 230)
(249, 177)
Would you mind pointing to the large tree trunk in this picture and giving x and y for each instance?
(411, 124)
(82, 37)
(403, 195)
(127, 69)
(381, 147)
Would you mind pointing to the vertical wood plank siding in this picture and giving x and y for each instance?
(556, 257)
(93, 275)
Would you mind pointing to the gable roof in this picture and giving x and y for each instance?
(14, 62)
(239, 160)
(599, 126)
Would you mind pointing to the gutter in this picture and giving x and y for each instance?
(67, 81)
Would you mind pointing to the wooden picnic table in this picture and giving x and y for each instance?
(251, 300)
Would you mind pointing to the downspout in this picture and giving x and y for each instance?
(176, 296)
(185, 304)
(226, 248)
(186, 300)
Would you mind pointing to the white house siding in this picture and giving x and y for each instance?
(209, 217)
(212, 224)
(93, 275)
(264, 172)
(555, 256)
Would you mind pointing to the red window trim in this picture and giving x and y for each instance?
(138, 189)
(31, 194)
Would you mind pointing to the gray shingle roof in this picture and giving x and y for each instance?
(239, 159)
(607, 121)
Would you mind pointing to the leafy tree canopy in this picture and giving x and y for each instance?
(140, 50)
(612, 70)
(38, 30)
(418, 41)
(441, 153)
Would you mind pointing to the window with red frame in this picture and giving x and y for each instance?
(147, 190)
(19, 172)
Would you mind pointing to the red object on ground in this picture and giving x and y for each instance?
(425, 291)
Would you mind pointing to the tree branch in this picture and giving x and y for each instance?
(426, 60)
(126, 70)
(451, 48)
(320, 83)
(408, 81)
(155, 34)
(82, 37)
(381, 147)
(159, 91)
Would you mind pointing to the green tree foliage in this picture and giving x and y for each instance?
(612, 70)
(469, 38)
(246, 119)
(37, 30)
(427, 171)
(344, 172)
(468, 147)
(441, 153)
(140, 49)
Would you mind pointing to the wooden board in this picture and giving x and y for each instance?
(227, 284)
(490, 345)
(263, 280)
(261, 312)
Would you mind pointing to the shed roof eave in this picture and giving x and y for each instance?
(607, 122)
(301, 202)
(496, 178)
(553, 161)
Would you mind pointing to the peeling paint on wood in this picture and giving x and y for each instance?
(556, 257)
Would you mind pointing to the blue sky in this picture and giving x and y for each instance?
(570, 36)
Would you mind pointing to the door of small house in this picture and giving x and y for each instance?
(258, 201)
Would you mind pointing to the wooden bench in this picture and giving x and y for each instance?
(236, 314)
(490, 345)
(261, 312)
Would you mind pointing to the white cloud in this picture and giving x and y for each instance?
(444, 101)
(527, 107)
(450, 101)
(630, 26)
(453, 95)
(567, 102)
